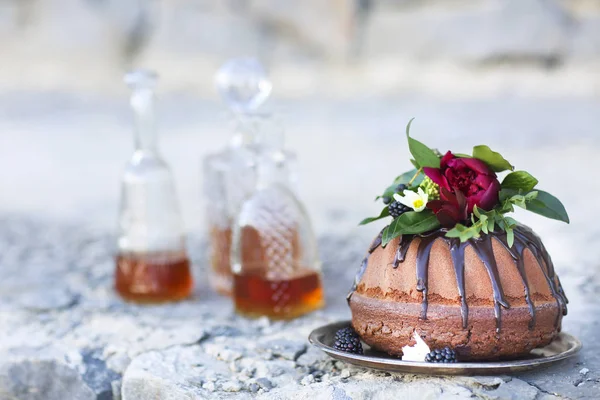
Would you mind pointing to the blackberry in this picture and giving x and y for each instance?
(401, 188)
(397, 209)
(347, 340)
(445, 355)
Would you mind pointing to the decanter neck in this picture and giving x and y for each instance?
(272, 169)
(249, 128)
(142, 103)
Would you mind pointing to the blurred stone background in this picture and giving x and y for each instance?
(313, 46)
(348, 75)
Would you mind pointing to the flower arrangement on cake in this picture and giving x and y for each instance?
(453, 269)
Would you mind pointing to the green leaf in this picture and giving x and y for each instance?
(511, 222)
(531, 195)
(484, 227)
(493, 159)
(518, 200)
(548, 206)
(404, 178)
(510, 237)
(410, 223)
(464, 233)
(424, 156)
(491, 223)
(506, 194)
(384, 213)
(519, 180)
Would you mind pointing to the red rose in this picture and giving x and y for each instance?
(470, 176)
(451, 209)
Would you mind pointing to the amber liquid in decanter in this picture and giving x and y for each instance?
(277, 293)
(153, 277)
(283, 299)
(151, 263)
(244, 86)
(220, 244)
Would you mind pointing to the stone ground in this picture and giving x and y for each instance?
(66, 335)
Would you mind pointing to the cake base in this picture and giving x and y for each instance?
(388, 325)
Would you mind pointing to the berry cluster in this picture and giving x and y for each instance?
(445, 355)
(396, 208)
(347, 340)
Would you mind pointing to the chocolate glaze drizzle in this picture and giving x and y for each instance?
(363, 265)
(524, 239)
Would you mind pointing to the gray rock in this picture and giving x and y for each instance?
(253, 387)
(515, 389)
(36, 379)
(287, 349)
(265, 383)
(311, 357)
(231, 386)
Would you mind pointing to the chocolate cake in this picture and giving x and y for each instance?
(453, 268)
(481, 297)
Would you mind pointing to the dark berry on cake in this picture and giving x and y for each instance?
(397, 209)
(401, 188)
(347, 340)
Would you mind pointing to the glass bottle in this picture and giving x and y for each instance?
(276, 269)
(244, 86)
(152, 263)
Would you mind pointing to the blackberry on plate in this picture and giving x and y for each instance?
(445, 355)
(397, 208)
(346, 339)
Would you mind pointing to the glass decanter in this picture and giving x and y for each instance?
(152, 263)
(244, 86)
(276, 269)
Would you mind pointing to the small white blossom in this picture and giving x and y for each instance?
(415, 200)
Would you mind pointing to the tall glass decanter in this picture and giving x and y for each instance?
(276, 269)
(244, 86)
(152, 263)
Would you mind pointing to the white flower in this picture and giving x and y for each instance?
(415, 200)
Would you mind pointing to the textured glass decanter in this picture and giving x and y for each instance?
(152, 264)
(244, 86)
(276, 269)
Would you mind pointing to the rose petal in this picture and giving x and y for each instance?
(436, 176)
(447, 217)
(483, 181)
(456, 163)
(447, 157)
(435, 205)
(489, 198)
(478, 166)
(447, 195)
(462, 205)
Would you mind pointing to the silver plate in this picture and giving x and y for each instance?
(562, 347)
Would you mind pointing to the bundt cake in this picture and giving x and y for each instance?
(453, 268)
(481, 297)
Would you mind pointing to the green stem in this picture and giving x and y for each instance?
(415, 177)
